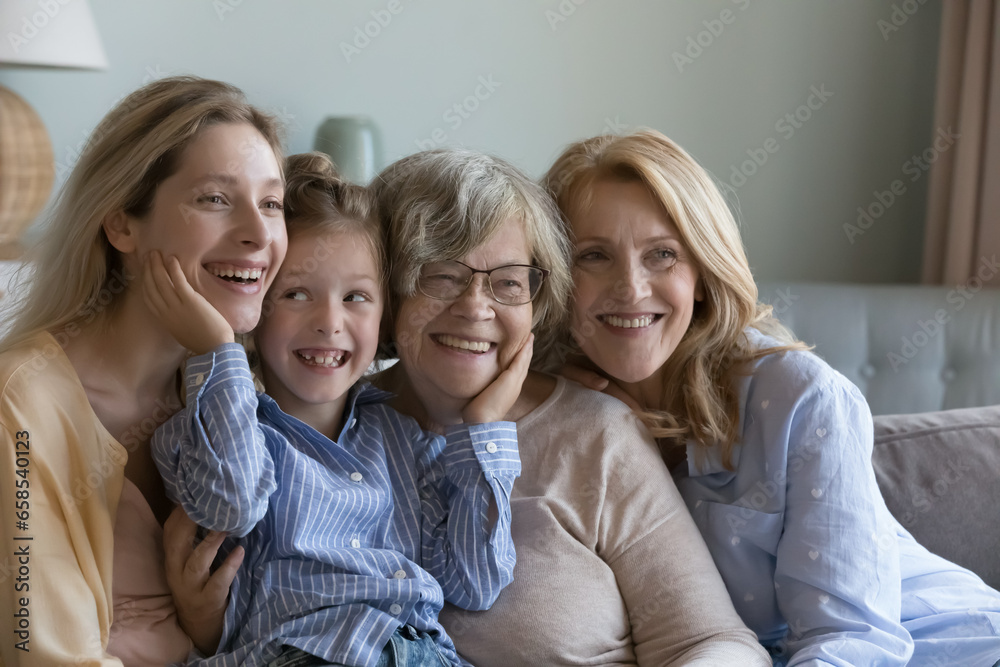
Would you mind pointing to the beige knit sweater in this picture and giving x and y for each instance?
(611, 569)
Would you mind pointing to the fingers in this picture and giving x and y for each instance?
(613, 389)
(150, 289)
(496, 400)
(181, 555)
(219, 583)
(177, 277)
(199, 563)
(162, 286)
(587, 378)
(167, 283)
(522, 361)
(178, 539)
(523, 358)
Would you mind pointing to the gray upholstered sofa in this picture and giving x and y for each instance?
(928, 361)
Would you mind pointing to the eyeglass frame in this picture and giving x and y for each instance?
(489, 284)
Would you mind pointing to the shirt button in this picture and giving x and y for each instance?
(399, 574)
(356, 477)
(355, 543)
(948, 375)
(491, 447)
(394, 609)
(353, 422)
(198, 379)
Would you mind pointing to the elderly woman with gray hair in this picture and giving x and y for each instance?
(610, 567)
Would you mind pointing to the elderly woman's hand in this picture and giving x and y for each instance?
(201, 596)
(494, 402)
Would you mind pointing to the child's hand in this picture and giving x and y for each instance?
(498, 398)
(200, 595)
(187, 315)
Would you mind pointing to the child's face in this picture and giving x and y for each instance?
(322, 329)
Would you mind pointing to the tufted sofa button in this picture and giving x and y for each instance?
(868, 371)
(948, 375)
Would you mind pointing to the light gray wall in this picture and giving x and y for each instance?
(564, 71)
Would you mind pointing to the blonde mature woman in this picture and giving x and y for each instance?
(769, 446)
(186, 167)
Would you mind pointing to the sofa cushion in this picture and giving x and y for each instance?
(940, 475)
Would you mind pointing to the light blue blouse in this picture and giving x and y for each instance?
(815, 563)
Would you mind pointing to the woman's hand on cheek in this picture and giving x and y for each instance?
(494, 402)
(187, 315)
(200, 595)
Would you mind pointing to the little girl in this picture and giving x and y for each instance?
(356, 525)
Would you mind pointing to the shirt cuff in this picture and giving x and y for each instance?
(227, 363)
(490, 447)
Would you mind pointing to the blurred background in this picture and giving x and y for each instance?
(805, 111)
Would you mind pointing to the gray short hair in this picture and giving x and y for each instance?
(444, 203)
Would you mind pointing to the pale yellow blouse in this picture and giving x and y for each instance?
(67, 471)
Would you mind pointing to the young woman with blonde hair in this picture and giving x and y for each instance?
(183, 166)
(769, 446)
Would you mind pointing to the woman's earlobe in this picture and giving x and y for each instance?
(118, 228)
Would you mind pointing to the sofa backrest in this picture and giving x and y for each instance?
(909, 348)
(938, 472)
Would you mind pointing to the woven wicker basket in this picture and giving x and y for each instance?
(27, 169)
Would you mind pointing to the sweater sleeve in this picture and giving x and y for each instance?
(60, 482)
(212, 454)
(461, 475)
(678, 607)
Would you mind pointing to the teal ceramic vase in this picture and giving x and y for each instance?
(354, 145)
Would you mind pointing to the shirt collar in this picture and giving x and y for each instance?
(362, 393)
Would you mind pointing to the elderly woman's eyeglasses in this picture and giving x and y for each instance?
(510, 285)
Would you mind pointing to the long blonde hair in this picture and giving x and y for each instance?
(700, 395)
(76, 275)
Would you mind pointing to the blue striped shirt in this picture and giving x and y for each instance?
(345, 541)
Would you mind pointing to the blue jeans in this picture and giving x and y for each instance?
(407, 647)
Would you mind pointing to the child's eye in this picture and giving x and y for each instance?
(276, 205)
(212, 199)
(357, 297)
(295, 295)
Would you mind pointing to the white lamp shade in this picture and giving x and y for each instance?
(50, 33)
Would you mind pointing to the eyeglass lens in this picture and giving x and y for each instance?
(510, 285)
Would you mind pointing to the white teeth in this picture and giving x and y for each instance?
(634, 323)
(462, 344)
(243, 274)
(330, 361)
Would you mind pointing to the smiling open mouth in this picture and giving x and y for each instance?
(236, 275)
(330, 359)
(629, 323)
(475, 346)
